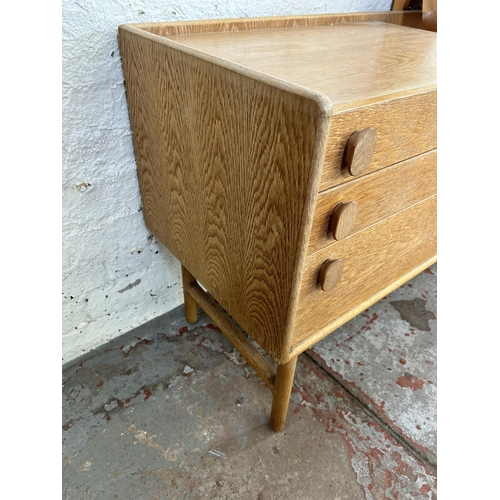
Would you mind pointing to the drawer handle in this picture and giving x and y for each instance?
(343, 219)
(330, 274)
(359, 150)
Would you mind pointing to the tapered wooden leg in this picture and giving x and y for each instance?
(190, 306)
(281, 394)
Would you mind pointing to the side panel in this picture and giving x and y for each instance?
(225, 166)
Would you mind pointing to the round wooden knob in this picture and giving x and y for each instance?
(359, 150)
(330, 273)
(343, 219)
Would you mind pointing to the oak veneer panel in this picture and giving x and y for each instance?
(378, 195)
(373, 259)
(228, 168)
(353, 64)
(400, 4)
(239, 129)
(429, 15)
(405, 128)
(375, 74)
(411, 19)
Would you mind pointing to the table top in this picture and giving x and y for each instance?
(353, 64)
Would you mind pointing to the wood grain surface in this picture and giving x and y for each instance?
(405, 128)
(228, 168)
(239, 124)
(190, 305)
(257, 360)
(429, 14)
(330, 273)
(353, 64)
(373, 260)
(361, 306)
(359, 150)
(342, 220)
(378, 195)
(400, 4)
(281, 394)
(412, 19)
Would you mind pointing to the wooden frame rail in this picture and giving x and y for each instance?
(279, 380)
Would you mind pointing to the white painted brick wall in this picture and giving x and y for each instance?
(116, 276)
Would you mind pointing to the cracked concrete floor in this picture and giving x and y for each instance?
(172, 411)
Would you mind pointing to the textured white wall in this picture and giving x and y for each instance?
(116, 276)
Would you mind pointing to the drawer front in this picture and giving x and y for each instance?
(405, 127)
(377, 195)
(373, 259)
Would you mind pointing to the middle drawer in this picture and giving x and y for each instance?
(351, 207)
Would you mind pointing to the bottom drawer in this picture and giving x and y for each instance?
(373, 259)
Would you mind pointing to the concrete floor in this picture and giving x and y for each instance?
(172, 411)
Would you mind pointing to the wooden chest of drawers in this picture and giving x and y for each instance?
(290, 165)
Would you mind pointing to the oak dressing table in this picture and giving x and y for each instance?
(289, 164)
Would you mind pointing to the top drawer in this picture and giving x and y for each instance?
(405, 128)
